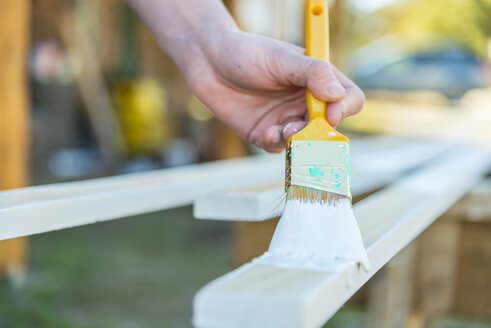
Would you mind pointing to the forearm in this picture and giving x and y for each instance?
(184, 28)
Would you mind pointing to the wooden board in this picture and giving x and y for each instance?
(45, 208)
(264, 296)
(375, 163)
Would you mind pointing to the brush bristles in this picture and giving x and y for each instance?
(288, 166)
(309, 195)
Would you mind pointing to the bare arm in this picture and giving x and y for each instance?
(254, 84)
(185, 28)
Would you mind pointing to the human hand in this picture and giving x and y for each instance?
(256, 85)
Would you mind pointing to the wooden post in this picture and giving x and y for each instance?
(249, 238)
(437, 273)
(252, 239)
(14, 117)
(232, 146)
(390, 298)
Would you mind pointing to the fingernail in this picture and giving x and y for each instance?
(341, 112)
(287, 127)
(340, 117)
(278, 138)
(335, 89)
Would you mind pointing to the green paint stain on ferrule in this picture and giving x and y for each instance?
(321, 165)
(316, 171)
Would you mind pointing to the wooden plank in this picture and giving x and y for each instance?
(14, 117)
(45, 208)
(375, 163)
(256, 295)
(252, 238)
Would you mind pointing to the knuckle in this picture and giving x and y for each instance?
(355, 101)
(319, 75)
(320, 69)
(361, 99)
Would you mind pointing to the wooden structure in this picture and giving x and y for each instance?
(14, 39)
(412, 193)
(258, 295)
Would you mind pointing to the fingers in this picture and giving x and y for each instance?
(351, 104)
(292, 128)
(275, 138)
(292, 68)
(317, 75)
(272, 139)
(326, 82)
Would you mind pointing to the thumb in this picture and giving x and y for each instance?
(315, 74)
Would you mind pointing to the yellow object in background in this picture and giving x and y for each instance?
(198, 111)
(144, 115)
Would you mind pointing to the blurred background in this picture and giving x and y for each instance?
(102, 99)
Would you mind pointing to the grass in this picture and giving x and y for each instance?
(136, 272)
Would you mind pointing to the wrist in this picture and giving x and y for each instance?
(186, 29)
(195, 51)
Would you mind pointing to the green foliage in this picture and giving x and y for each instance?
(421, 22)
(463, 21)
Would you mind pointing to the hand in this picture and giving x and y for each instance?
(256, 85)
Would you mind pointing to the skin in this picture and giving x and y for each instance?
(254, 84)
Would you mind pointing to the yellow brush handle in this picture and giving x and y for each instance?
(317, 41)
(317, 44)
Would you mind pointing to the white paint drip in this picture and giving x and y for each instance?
(316, 236)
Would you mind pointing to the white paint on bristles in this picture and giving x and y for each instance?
(316, 236)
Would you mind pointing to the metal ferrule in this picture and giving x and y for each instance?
(320, 165)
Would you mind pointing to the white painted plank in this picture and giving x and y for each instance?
(257, 295)
(39, 209)
(45, 208)
(375, 163)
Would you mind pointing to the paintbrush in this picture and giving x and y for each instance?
(318, 228)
